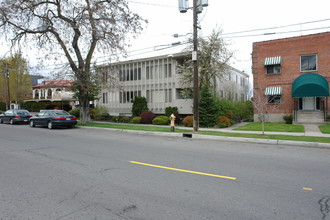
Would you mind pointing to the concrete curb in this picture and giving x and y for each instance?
(222, 138)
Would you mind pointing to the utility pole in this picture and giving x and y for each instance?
(195, 62)
(197, 8)
(8, 89)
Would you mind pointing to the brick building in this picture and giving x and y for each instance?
(292, 75)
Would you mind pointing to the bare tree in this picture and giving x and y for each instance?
(213, 56)
(78, 28)
(261, 105)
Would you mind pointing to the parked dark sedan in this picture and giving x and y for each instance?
(53, 118)
(15, 116)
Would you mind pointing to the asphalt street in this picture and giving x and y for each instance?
(102, 174)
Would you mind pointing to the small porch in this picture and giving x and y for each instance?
(310, 92)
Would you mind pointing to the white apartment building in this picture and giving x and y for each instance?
(157, 79)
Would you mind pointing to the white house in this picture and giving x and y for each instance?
(53, 90)
(158, 79)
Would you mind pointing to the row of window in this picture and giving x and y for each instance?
(307, 63)
(130, 74)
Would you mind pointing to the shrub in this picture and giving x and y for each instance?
(226, 108)
(2, 106)
(124, 119)
(75, 112)
(160, 120)
(102, 117)
(288, 119)
(188, 121)
(139, 105)
(224, 122)
(171, 110)
(146, 117)
(93, 113)
(243, 111)
(115, 119)
(136, 120)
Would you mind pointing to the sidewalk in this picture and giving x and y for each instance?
(310, 130)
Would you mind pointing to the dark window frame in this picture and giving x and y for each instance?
(312, 61)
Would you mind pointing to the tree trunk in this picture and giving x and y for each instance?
(84, 109)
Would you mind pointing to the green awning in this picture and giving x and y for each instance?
(310, 85)
(272, 61)
(273, 91)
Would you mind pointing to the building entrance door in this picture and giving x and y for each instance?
(308, 103)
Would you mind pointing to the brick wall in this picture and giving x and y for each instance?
(290, 49)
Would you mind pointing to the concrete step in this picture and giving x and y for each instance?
(309, 117)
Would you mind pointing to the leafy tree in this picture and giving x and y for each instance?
(208, 109)
(213, 60)
(19, 80)
(76, 28)
(243, 110)
(139, 105)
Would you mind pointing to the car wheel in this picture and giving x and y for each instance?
(50, 125)
(32, 124)
(11, 121)
(1, 122)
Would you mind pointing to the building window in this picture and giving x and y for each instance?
(273, 69)
(273, 99)
(308, 62)
(105, 98)
(273, 65)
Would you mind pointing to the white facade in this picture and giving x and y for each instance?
(156, 78)
(54, 90)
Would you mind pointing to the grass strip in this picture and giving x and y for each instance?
(269, 136)
(325, 129)
(271, 126)
(215, 133)
(132, 127)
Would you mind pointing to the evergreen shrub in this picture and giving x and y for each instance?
(288, 119)
(124, 119)
(136, 120)
(139, 105)
(160, 120)
(75, 112)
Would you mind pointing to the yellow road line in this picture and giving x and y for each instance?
(186, 171)
(306, 188)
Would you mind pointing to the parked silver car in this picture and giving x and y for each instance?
(15, 116)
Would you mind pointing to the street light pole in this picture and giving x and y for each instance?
(195, 62)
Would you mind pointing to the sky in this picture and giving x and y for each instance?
(232, 16)
(273, 20)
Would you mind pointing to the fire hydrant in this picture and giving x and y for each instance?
(172, 118)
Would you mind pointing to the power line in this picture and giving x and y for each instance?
(153, 4)
(277, 27)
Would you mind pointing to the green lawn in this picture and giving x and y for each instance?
(216, 133)
(268, 136)
(132, 127)
(325, 129)
(271, 126)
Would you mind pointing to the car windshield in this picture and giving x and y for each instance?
(23, 113)
(60, 113)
